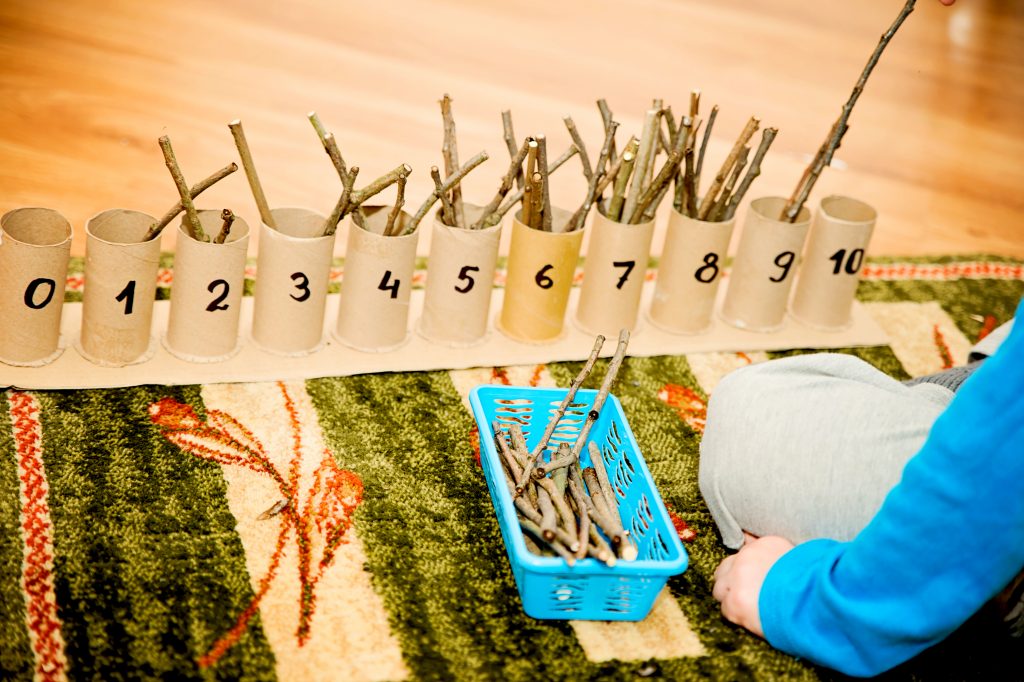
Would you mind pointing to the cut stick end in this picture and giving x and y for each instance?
(235, 123)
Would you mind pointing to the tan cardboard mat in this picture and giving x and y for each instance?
(250, 363)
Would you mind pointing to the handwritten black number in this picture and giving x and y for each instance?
(392, 287)
(218, 303)
(706, 273)
(853, 263)
(127, 296)
(302, 284)
(33, 287)
(542, 280)
(785, 261)
(628, 265)
(464, 275)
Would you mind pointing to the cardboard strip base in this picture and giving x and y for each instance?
(71, 370)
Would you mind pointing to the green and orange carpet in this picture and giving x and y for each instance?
(140, 540)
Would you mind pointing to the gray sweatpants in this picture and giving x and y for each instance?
(809, 446)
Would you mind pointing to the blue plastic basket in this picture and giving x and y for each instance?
(589, 590)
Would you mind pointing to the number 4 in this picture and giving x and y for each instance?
(392, 286)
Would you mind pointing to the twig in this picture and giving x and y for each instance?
(708, 202)
(343, 204)
(250, 173)
(192, 218)
(545, 183)
(578, 141)
(602, 394)
(447, 210)
(510, 142)
(835, 137)
(718, 212)
(449, 182)
(393, 225)
(450, 152)
(225, 229)
(530, 189)
(606, 118)
(703, 148)
(330, 146)
(380, 184)
(752, 172)
(617, 201)
(580, 216)
(538, 451)
(156, 228)
(519, 196)
(694, 103)
(515, 169)
(644, 156)
(665, 175)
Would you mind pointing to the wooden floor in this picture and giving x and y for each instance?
(936, 143)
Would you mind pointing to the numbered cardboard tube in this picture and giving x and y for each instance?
(206, 296)
(765, 266)
(689, 273)
(292, 272)
(35, 244)
(613, 276)
(460, 277)
(541, 267)
(120, 285)
(373, 310)
(823, 295)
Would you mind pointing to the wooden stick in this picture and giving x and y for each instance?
(449, 182)
(186, 199)
(538, 451)
(511, 462)
(643, 156)
(393, 225)
(617, 201)
(515, 169)
(704, 148)
(684, 183)
(602, 394)
(545, 184)
(156, 228)
(450, 152)
(225, 229)
(250, 173)
(694, 103)
(578, 141)
(708, 202)
(665, 175)
(510, 142)
(690, 180)
(519, 196)
(556, 546)
(835, 137)
(583, 524)
(580, 216)
(380, 184)
(447, 210)
(752, 172)
(606, 118)
(330, 145)
(718, 212)
(343, 204)
(530, 191)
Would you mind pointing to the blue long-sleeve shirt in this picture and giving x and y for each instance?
(948, 538)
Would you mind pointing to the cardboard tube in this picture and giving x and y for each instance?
(832, 263)
(206, 296)
(373, 310)
(765, 266)
(35, 244)
(460, 277)
(689, 273)
(120, 285)
(292, 270)
(613, 275)
(541, 266)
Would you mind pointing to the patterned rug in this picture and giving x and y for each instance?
(341, 529)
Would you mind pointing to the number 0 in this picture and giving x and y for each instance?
(33, 287)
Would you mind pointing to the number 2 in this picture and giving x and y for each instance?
(218, 303)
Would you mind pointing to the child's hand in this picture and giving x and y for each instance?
(739, 577)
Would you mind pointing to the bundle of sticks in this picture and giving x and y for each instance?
(186, 196)
(727, 190)
(561, 505)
